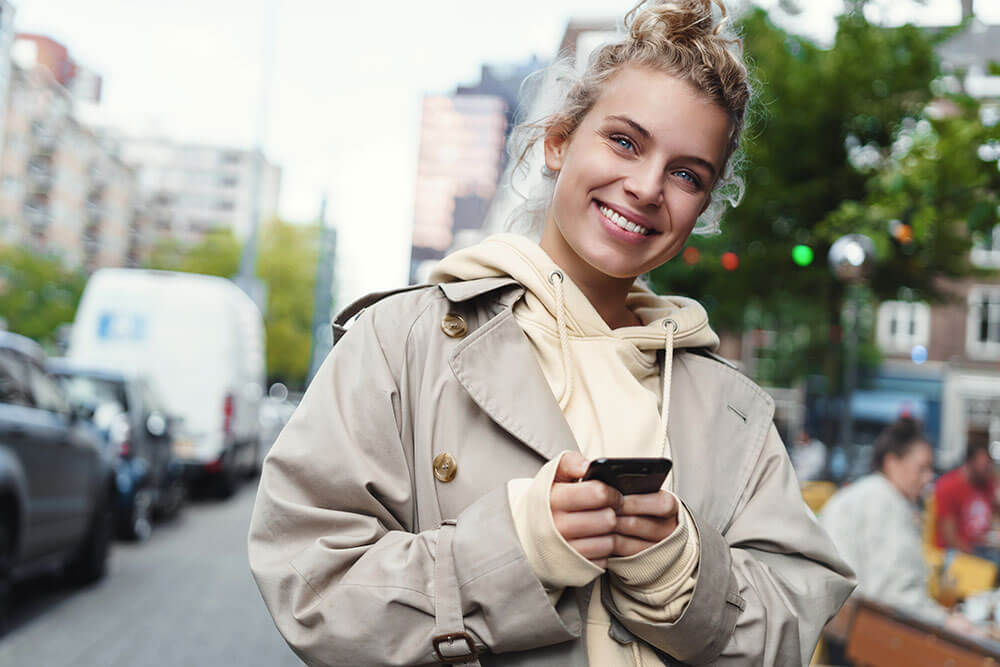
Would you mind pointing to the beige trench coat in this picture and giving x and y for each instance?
(364, 557)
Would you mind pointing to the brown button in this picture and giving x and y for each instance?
(454, 325)
(445, 467)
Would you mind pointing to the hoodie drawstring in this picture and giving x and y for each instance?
(556, 278)
(670, 328)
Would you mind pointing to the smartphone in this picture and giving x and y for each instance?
(630, 475)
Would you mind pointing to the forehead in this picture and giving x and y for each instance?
(671, 109)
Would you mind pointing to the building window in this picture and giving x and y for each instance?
(986, 253)
(902, 325)
(982, 329)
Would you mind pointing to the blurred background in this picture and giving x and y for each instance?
(273, 161)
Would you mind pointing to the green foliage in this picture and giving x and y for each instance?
(37, 293)
(841, 141)
(286, 263)
(217, 254)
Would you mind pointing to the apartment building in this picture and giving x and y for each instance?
(61, 189)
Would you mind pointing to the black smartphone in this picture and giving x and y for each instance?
(630, 475)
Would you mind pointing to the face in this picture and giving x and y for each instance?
(981, 467)
(634, 176)
(912, 471)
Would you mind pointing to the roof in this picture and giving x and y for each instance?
(978, 45)
(64, 366)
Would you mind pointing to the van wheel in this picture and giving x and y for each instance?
(6, 558)
(226, 480)
(91, 560)
(139, 526)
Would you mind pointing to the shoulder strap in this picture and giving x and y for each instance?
(708, 354)
(340, 321)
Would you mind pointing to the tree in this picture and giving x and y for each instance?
(217, 254)
(287, 264)
(37, 293)
(842, 141)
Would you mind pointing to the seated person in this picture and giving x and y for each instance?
(965, 500)
(875, 525)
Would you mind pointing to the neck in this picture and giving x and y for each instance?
(606, 294)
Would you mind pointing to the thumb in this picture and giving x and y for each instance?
(572, 466)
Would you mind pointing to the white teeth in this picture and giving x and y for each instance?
(622, 222)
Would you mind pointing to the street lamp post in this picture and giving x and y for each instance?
(852, 258)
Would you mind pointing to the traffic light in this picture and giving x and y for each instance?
(730, 261)
(802, 255)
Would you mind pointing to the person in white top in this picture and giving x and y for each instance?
(875, 524)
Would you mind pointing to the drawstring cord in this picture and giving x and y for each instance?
(670, 328)
(556, 278)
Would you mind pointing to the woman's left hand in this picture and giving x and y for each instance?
(644, 520)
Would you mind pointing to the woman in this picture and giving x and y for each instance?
(875, 524)
(423, 504)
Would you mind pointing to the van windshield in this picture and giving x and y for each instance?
(84, 390)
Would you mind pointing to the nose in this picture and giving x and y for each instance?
(645, 184)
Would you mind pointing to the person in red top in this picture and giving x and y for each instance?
(965, 500)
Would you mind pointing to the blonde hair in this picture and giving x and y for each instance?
(679, 37)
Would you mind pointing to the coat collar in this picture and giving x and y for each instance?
(498, 368)
(466, 290)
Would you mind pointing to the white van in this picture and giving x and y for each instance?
(200, 340)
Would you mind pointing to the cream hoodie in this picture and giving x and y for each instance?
(610, 387)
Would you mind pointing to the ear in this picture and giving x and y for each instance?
(555, 144)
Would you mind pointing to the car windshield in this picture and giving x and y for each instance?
(94, 391)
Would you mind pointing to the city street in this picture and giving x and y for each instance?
(185, 597)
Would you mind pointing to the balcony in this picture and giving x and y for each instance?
(95, 211)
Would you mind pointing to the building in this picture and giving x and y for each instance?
(61, 189)
(6, 42)
(30, 50)
(189, 189)
(462, 138)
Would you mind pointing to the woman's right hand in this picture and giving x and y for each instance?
(585, 513)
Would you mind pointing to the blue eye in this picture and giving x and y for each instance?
(624, 142)
(688, 176)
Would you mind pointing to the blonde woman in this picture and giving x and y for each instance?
(423, 505)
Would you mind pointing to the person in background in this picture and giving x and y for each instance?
(875, 524)
(965, 501)
(808, 456)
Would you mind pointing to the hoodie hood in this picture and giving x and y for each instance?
(525, 261)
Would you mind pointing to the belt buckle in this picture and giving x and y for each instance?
(471, 655)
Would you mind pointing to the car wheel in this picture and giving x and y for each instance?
(91, 560)
(140, 524)
(6, 557)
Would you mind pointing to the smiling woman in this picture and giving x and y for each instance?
(424, 503)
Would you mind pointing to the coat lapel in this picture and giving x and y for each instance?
(497, 367)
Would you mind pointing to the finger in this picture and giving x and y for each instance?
(652, 529)
(629, 546)
(581, 496)
(593, 548)
(572, 467)
(659, 504)
(572, 525)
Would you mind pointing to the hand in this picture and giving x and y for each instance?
(644, 520)
(585, 513)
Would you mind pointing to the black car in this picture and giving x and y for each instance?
(139, 433)
(56, 483)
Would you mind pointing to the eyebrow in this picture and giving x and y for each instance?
(644, 133)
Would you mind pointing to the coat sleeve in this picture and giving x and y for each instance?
(765, 588)
(330, 545)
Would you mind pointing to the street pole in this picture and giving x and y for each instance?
(322, 335)
(850, 366)
(246, 276)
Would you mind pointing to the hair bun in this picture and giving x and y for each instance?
(675, 21)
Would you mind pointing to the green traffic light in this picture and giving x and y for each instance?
(802, 255)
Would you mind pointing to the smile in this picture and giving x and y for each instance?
(623, 222)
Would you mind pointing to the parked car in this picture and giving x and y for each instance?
(56, 482)
(140, 436)
(200, 341)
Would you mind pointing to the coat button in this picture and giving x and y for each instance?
(445, 467)
(454, 325)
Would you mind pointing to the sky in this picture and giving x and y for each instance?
(343, 83)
